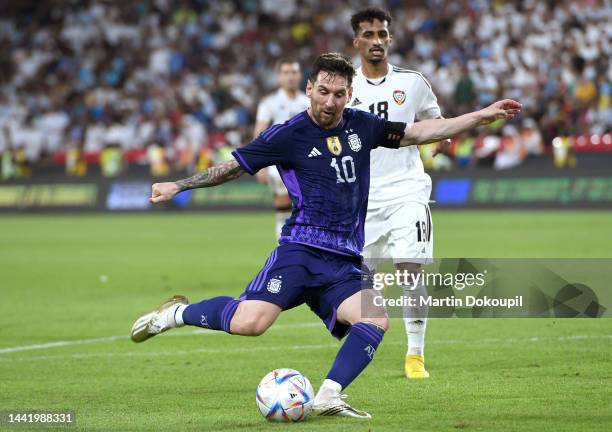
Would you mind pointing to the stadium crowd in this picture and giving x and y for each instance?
(177, 83)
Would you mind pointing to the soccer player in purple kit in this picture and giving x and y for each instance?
(323, 157)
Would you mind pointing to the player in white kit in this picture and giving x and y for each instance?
(279, 107)
(398, 223)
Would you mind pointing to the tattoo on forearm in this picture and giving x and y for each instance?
(213, 176)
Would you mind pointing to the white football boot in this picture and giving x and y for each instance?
(158, 321)
(336, 406)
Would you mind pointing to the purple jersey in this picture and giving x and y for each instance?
(327, 174)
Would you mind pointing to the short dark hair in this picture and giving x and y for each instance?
(369, 15)
(334, 63)
(285, 60)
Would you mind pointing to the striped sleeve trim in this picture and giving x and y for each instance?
(401, 70)
(269, 133)
(242, 162)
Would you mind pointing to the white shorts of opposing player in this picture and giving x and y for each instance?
(404, 233)
(281, 218)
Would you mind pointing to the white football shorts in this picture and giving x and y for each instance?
(281, 218)
(402, 232)
(276, 182)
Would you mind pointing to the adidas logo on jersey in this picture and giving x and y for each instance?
(356, 102)
(314, 152)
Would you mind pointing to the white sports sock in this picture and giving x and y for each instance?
(415, 330)
(178, 315)
(415, 319)
(328, 389)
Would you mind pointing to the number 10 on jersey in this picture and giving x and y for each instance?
(347, 174)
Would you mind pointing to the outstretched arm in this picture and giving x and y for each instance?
(428, 131)
(213, 176)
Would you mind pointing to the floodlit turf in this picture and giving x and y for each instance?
(84, 279)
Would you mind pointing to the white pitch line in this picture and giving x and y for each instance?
(115, 338)
(171, 353)
(60, 344)
(226, 351)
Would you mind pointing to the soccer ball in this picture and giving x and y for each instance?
(285, 395)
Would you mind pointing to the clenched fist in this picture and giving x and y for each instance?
(161, 192)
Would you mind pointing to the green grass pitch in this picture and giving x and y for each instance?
(82, 280)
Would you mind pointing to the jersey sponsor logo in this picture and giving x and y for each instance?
(356, 102)
(314, 152)
(334, 145)
(399, 96)
(354, 142)
(274, 285)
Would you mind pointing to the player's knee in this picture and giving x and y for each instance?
(381, 322)
(376, 316)
(380, 319)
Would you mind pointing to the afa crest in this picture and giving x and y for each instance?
(354, 142)
(399, 96)
(334, 145)
(274, 285)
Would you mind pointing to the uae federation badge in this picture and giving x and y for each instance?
(334, 145)
(399, 96)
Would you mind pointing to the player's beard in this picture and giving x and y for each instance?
(325, 122)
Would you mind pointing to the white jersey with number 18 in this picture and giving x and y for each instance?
(403, 96)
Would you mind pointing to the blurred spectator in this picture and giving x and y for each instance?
(186, 75)
(157, 160)
(531, 137)
(22, 165)
(464, 96)
(76, 165)
(511, 151)
(111, 160)
(563, 154)
(464, 148)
